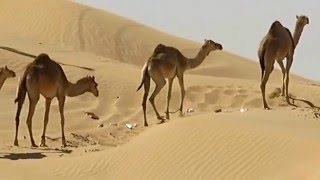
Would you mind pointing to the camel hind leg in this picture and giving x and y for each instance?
(145, 97)
(33, 100)
(45, 123)
(160, 82)
(17, 119)
(269, 63)
(169, 97)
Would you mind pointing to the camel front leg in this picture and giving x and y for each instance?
(288, 66)
(46, 119)
(283, 70)
(183, 92)
(169, 98)
(61, 109)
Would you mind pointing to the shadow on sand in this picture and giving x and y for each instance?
(304, 101)
(17, 156)
(34, 155)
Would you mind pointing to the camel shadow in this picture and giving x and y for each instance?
(33, 155)
(294, 99)
(18, 156)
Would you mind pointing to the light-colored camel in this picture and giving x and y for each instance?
(275, 46)
(167, 63)
(46, 77)
(4, 74)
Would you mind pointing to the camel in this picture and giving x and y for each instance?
(275, 46)
(166, 63)
(46, 77)
(4, 74)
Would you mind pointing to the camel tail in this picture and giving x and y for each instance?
(145, 74)
(261, 59)
(22, 89)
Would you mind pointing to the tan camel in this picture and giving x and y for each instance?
(168, 62)
(46, 77)
(275, 46)
(4, 74)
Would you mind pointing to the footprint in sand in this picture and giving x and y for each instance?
(229, 91)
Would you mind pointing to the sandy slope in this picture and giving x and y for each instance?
(279, 144)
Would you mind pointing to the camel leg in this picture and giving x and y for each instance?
(269, 68)
(159, 85)
(169, 97)
(20, 103)
(145, 96)
(46, 119)
(32, 106)
(283, 70)
(61, 109)
(288, 66)
(183, 92)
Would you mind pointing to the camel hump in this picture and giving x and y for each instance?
(43, 55)
(42, 58)
(275, 25)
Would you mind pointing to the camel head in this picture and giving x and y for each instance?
(89, 84)
(93, 86)
(210, 45)
(303, 20)
(7, 73)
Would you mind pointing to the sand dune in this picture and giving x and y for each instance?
(257, 144)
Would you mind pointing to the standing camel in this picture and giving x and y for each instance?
(46, 77)
(168, 62)
(275, 46)
(4, 74)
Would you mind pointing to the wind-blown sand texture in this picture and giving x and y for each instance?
(283, 143)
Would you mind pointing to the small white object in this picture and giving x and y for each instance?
(129, 126)
(190, 110)
(243, 110)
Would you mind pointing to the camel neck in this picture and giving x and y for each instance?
(196, 61)
(297, 33)
(76, 89)
(2, 80)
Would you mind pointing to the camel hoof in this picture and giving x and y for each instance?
(167, 116)
(146, 125)
(63, 146)
(161, 122)
(161, 118)
(43, 145)
(16, 143)
(34, 146)
(267, 108)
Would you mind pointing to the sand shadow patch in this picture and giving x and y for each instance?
(18, 156)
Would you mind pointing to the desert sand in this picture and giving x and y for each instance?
(283, 143)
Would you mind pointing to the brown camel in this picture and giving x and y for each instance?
(4, 74)
(46, 77)
(168, 62)
(275, 46)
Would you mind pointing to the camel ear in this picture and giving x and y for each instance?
(93, 77)
(205, 40)
(297, 16)
(5, 67)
